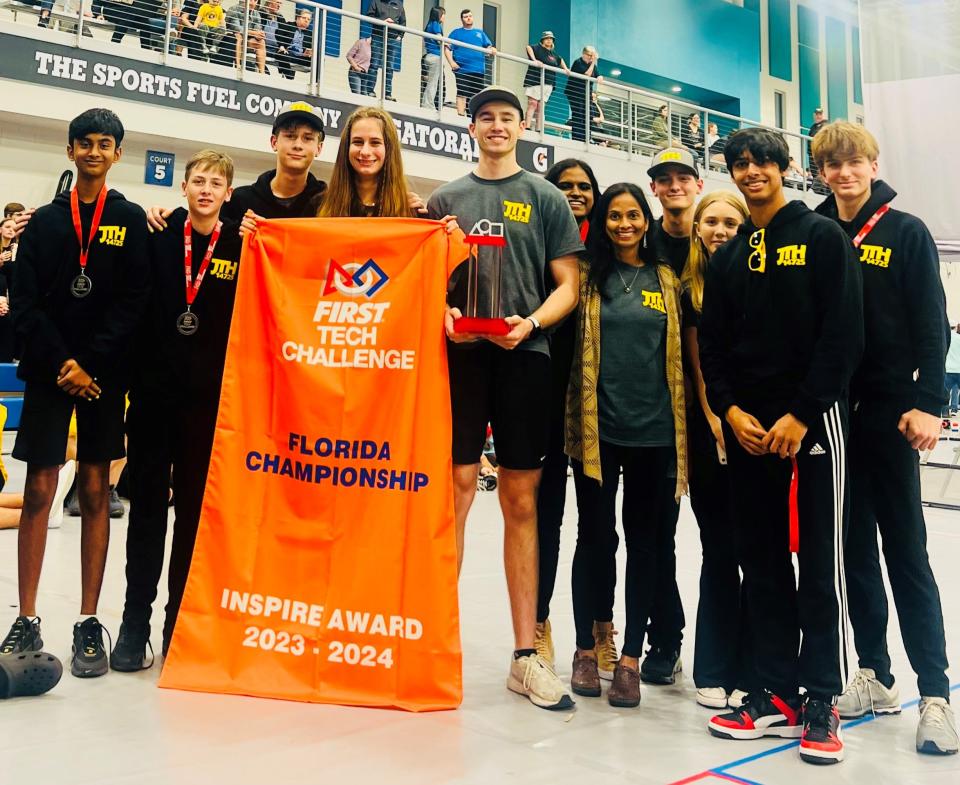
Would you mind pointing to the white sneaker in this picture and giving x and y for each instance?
(735, 701)
(866, 695)
(532, 676)
(64, 481)
(712, 697)
(937, 730)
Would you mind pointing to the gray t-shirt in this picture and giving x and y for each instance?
(537, 224)
(234, 19)
(633, 401)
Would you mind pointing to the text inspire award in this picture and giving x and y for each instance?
(483, 314)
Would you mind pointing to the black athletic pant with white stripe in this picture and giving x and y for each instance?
(885, 495)
(779, 607)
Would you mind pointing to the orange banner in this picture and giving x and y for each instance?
(325, 567)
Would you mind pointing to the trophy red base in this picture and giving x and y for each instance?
(478, 326)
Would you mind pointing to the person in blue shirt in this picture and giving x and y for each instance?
(469, 64)
(432, 61)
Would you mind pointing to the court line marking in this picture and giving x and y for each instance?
(721, 771)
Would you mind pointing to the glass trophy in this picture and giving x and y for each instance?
(482, 313)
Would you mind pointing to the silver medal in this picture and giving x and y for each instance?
(81, 286)
(187, 323)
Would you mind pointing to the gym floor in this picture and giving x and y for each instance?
(121, 728)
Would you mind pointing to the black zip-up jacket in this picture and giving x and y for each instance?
(54, 326)
(170, 365)
(904, 307)
(787, 339)
(259, 198)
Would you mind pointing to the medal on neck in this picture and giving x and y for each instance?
(81, 286)
(187, 322)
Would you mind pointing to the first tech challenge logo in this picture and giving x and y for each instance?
(348, 330)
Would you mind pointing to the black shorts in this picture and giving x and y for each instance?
(45, 425)
(468, 84)
(510, 390)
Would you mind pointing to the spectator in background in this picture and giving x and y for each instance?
(213, 25)
(692, 135)
(188, 29)
(135, 17)
(536, 95)
(953, 370)
(715, 144)
(391, 11)
(256, 39)
(277, 33)
(13, 210)
(8, 255)
(819, 120)
(468, 65)
(578, 91)
(432, 60)
(659, 128)
(46, 6)
(359, 59)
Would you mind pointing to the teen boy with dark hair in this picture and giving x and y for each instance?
(290, 190)
(781, 333)
(896, 396)
(175, 393)
(81, 284)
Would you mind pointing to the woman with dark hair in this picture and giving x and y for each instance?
(432, 60)
(576, 180)
(625, 411)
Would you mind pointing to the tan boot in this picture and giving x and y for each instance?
(543, 642)
(606, 648)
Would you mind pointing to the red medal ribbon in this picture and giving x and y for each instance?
(78, 226)
(794, 509)
(194, 286)
(868, 226)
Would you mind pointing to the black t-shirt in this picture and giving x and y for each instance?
(676, 249)
(547, 57)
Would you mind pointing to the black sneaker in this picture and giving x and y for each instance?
(24, 636)
(761, 714)
(89, 655)
(116, 506)
(821, 742)
(660, 666)
(130, 653)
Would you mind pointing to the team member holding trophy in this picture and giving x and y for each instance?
(504, 379)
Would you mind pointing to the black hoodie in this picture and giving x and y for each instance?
(53, 325)
(260, 198)
(904, 307)
(193, 362)
(789, 338)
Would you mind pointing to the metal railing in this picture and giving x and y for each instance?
(612, 115)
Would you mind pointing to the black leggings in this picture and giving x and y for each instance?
(649, 518)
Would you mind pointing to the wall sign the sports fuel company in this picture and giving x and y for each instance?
(28, 60)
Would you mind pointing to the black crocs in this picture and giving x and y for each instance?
(30, 673)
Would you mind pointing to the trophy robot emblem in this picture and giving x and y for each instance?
(483, 312)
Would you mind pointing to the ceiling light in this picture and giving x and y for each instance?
(615, 72)
(676, 88)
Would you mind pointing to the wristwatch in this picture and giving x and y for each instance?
(537, 329)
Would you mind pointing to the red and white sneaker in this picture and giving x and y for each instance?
(761, 714)
(821, 741)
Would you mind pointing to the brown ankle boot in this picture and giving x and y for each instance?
(585, 679)
(625, 690)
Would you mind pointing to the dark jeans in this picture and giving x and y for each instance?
(721, 655)
(952, 382)
(377, 61)
(885, 480)
(779, 608)
(649, 518)
(161, 438)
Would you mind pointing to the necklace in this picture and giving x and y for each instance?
(628, 287)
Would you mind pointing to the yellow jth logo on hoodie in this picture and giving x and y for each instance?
(113, 235)
(876, 255)
(792, 255)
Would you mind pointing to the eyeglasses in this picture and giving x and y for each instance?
(757, 261)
